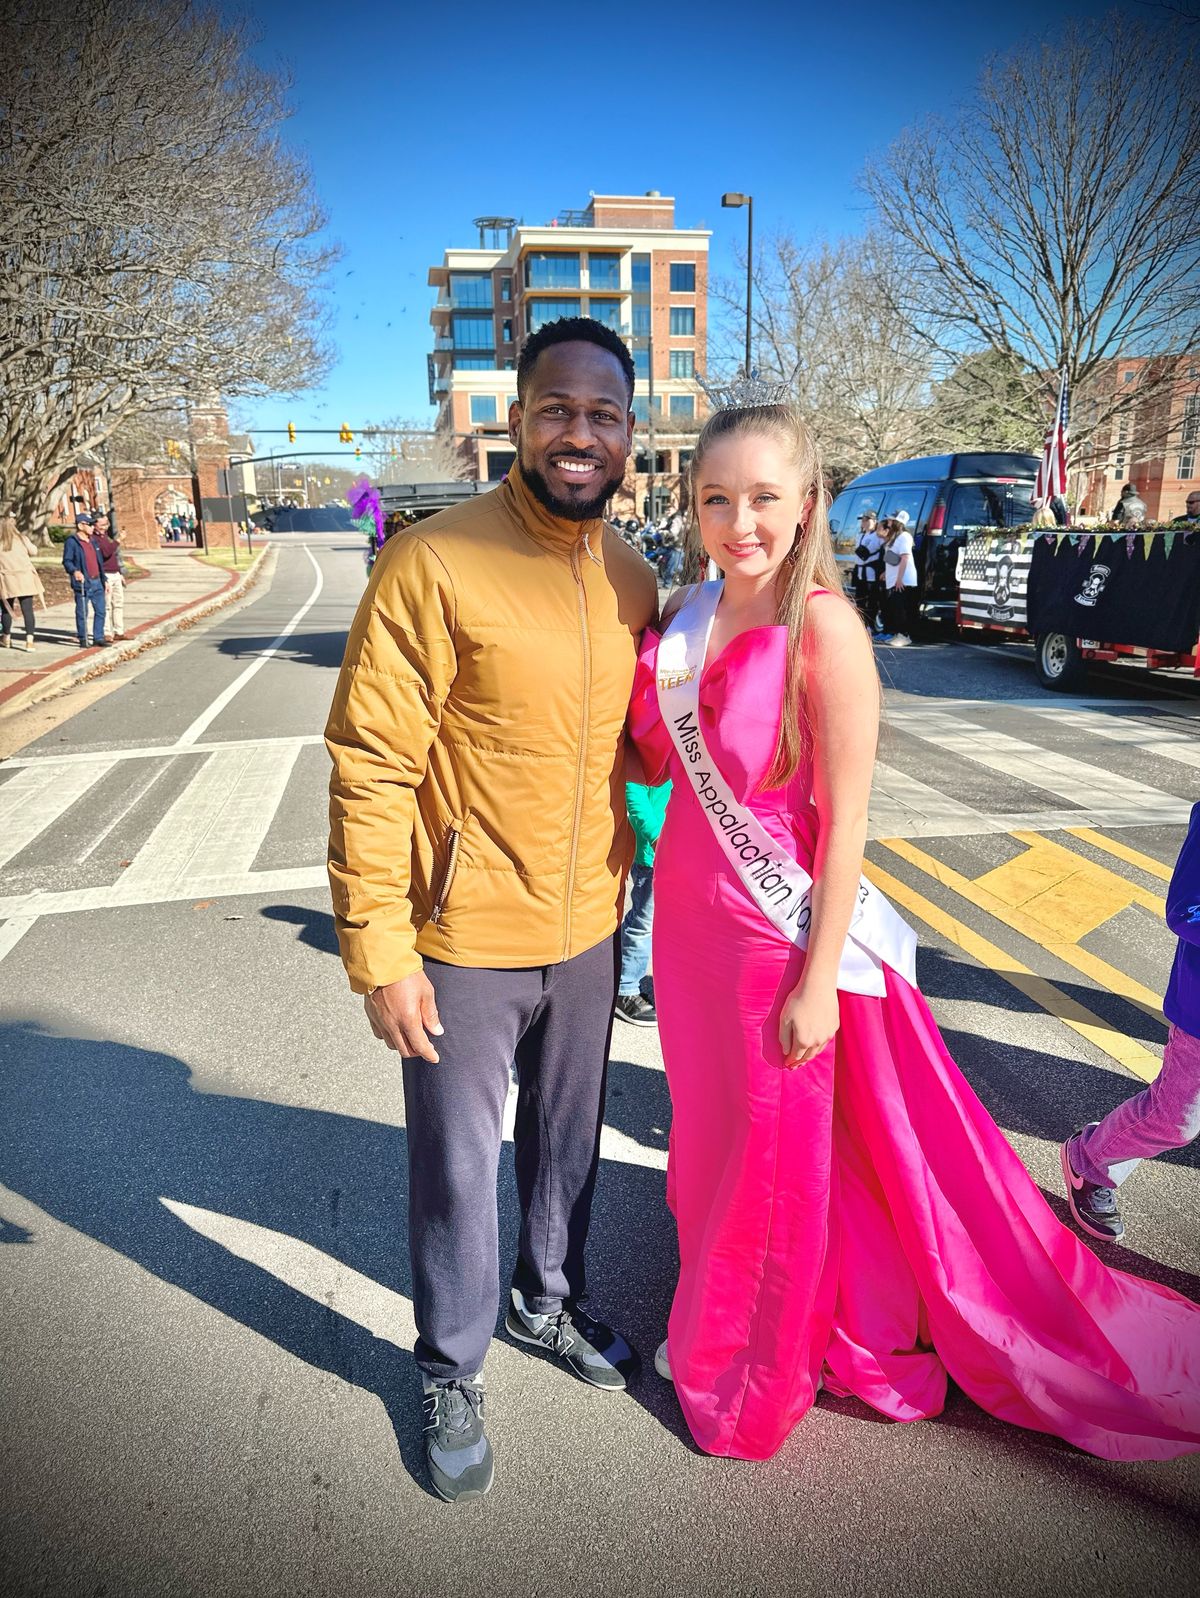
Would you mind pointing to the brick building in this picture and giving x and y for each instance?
(1155, 445)
(622, 261)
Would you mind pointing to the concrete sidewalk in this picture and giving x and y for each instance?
(180, 587)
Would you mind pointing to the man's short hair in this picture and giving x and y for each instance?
(572, 330)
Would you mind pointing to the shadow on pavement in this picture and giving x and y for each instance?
(315, 926)
(98, 1134)
(303, 648)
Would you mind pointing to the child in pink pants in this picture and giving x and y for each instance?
(1165, 1115)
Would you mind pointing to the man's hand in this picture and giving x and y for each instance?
(404, 1016)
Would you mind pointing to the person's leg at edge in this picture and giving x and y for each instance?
(28, 619)
(453, 1115)
(562, 1062)
(635, 931)
(81, 605)
(1165, 1115)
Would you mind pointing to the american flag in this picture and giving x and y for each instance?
(1052, 472)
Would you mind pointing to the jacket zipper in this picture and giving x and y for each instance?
(577, 573)
(439, 904)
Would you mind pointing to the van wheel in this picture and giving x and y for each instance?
(1059, 663)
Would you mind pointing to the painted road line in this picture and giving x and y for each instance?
(1090, 787)
(1132, 1056)
(138, 795)
(223, 699)
(1107, 884)
(245, 815)
(34, 800)
(1122, 851)
(1029, 926)
(905, 805)
(12, 931)
(123, 895)
(184, 826)
(157, 751)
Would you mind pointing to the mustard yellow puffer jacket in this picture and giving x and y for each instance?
(477, 803)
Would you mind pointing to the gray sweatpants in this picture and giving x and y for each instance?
(555, 1022)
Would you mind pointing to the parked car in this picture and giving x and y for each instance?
(942, 497)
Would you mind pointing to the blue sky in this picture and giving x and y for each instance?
(416, 118)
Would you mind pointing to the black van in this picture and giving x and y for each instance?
(943, 496)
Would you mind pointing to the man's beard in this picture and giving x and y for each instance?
(571, 510)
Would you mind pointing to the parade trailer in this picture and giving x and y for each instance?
(1085, 594)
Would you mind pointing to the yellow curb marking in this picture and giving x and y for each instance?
(1122, 851)
(1132, 1056)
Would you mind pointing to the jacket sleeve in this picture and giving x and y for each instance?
(1183, 894)
(71, 556)
(398, 667)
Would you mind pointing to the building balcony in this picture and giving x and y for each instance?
(442, 342)
(441, 383)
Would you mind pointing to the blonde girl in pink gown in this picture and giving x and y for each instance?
(848, 1212)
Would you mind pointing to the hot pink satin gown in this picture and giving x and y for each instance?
(862, 1217)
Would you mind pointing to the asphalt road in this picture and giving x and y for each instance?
(204, 1295)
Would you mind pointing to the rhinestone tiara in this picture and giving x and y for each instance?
(745, 393)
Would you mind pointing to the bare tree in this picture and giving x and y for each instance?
(826, 317)
(400, 451)
(159, 244)
(1055, 221)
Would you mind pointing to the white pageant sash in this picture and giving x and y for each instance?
(777, 883)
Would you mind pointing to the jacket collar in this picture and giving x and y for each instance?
(551, 532)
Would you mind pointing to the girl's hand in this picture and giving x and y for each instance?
(809, 1019)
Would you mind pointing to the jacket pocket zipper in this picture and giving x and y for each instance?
(447, 882)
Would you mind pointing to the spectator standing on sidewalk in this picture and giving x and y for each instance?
(113, 570)
(646, 808)
(81, 562)
(19, 581)
(1165, 1115)
(900, 582)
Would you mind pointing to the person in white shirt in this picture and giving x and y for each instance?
(900, 581)
(868, 570)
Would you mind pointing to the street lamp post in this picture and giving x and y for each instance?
(731, 202)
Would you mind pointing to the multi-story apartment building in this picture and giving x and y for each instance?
(622, 261)
(1154, 443)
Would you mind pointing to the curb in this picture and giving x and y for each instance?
(84, 666)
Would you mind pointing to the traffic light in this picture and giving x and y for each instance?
(172, 447)
(345, 436)
(291, 432)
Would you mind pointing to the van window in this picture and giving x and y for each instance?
(845, 511)
(989, 505)
(913, 500)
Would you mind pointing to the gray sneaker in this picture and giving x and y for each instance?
(458, 1455)
(1094, 1209)
(593, 1351)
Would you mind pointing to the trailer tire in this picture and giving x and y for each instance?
(1059, 662)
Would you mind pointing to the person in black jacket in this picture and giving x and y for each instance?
(82, 564)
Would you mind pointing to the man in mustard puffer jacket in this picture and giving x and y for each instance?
(477, 857)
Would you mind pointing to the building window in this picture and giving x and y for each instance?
(607, 312)
(472, 332)
(683, 277)
(683, 321)
(641, 409)
(539, 312)
(683, 405)
(640, 267)
(641, 462)
(483, 408)
(506, 330)
(683, 363)
(473, 363)
(641, 320)
(506, 288)
(685, 459)
(1188, 435)
(471, 290)
(558, 271)
(509, 401)
(604, 271)
(499, 462)
(641, 362)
